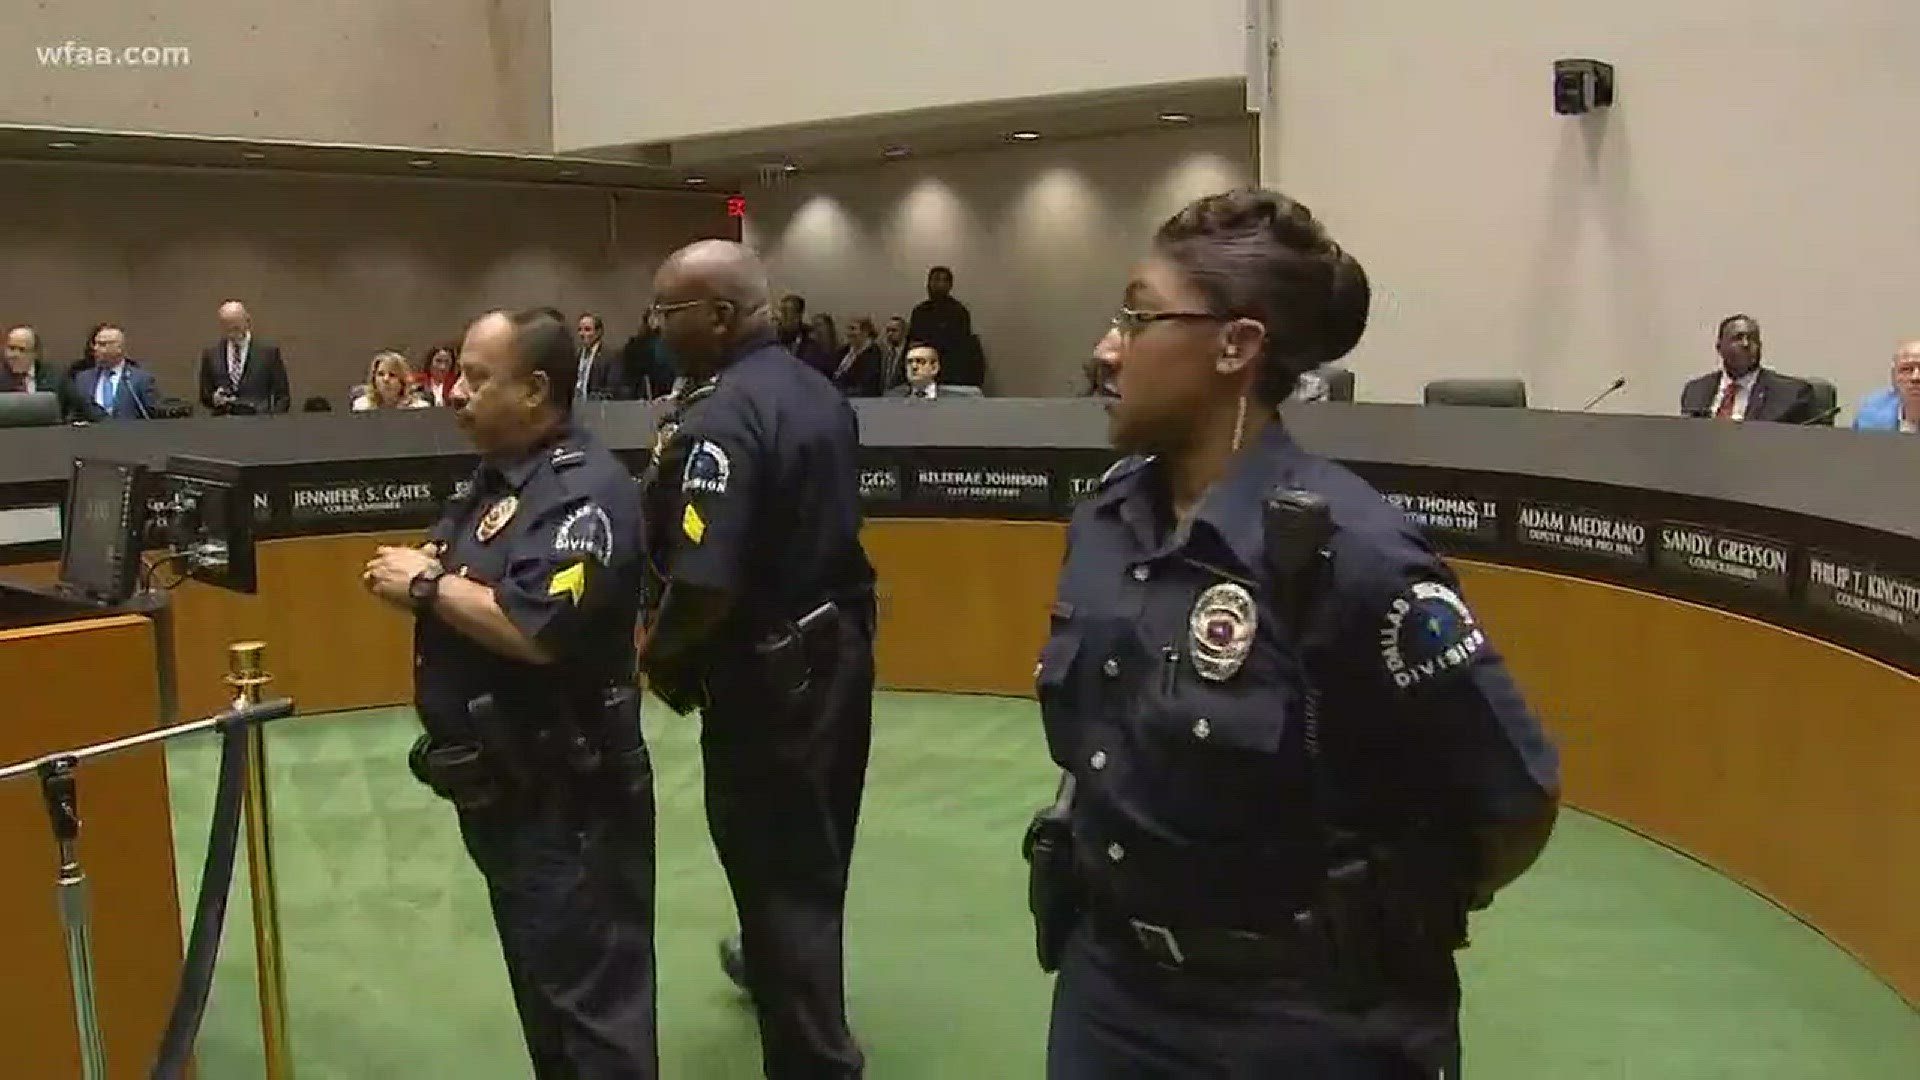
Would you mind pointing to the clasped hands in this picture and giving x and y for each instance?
(392, 569)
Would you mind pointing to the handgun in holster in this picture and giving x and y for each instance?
(470, 770)
(624, 768)
(1053, 885)
(786, 656)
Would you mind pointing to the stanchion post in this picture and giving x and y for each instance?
(246, 675)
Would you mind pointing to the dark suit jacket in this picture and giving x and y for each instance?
(646, 369)
(947, 325)
(1776, 397)
(861, 376)
(607, 379)
(136, 398)
(263, 382)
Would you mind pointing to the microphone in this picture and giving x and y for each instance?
(1605, 394)
(1822, 416)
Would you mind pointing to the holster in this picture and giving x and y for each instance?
(622, 767)
(1054, 894)
(789, 658)
(1379, 909)
(458, 773)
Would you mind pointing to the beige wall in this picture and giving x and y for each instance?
(464, 74)
(1040, 237)
(637, 72)
(332, 268)
(1760, 158)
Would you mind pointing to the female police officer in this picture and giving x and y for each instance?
(1294, 770)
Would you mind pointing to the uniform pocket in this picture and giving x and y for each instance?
(1053, 684)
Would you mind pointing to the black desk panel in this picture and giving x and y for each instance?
(1807, 527)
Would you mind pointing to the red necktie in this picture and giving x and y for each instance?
(1724, 410)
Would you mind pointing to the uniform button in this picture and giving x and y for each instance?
(1202, 729)
(1142, 572)
(1111, 668)
(1098, 761)
(1115, 852)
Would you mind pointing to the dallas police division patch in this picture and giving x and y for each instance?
(707, 469)
(1427, 633)
(585, 531)
(1222, 625)
(496, 518)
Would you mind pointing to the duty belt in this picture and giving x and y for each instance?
(1244, 954)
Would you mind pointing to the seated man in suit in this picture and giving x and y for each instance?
(26, 373)
(1742, 389)
(240, 374)
(601, 374)
(923, 374)
(1897, 407)
(114, 388)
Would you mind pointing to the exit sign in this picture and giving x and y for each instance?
(736, 206)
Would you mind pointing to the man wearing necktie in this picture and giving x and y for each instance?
(1742, 389)
(596, 377)
(115, 388)
(241, 374)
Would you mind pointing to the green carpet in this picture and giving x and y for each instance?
(1614, 959)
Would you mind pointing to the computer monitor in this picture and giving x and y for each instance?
(40, 408)
(101, 529)
(204, 509)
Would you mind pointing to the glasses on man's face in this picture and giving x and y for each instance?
(660, 310)
(1130, 322)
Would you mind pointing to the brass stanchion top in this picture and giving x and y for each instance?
(244, 667)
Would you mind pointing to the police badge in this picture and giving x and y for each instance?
(1222, 626)
(496, 518)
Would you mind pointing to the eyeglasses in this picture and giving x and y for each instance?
(1130, 322)
(664, 310)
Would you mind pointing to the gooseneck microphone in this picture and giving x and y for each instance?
(1612, 387)
(1822, 416)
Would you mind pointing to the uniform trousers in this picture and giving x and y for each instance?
(784, 777)
(1118, 1017)
(571, 884)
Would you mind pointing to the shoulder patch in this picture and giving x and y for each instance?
(708, 469)
(1123, 468)
(585, 531)
(1427, 634)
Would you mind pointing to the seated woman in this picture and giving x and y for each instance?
(389, 385)
(440, 369)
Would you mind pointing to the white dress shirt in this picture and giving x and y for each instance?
(1742, 392)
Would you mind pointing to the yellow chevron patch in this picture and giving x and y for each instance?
(692, 524)
(569, 582)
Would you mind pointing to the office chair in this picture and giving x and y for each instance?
(1496, 393)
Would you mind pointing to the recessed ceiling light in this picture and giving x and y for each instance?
(1024, 136)
(1176, 117)
(696, 181)
(63, 144)
(896, 152)
(568, 174)
(421, 163)
(254, 155)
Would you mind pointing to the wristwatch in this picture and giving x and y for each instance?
(425, 586)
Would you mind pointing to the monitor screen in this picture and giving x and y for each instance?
(100, 553)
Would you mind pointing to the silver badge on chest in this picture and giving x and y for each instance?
(1222, 626)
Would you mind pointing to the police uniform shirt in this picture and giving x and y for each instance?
(767, 506)
(555, 535)
(1170, 691)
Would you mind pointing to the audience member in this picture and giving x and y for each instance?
(825, 336)
(26, 372)
(600, 374)
(389, 385)
(923, 374)
(1895, 408)
(316, 403)
(947, 325)
(644, 357)
(439, 370)
(790, 325)
(114, 388)
(893, 353)
(1742, 389)
(858, 373)
(241, 374)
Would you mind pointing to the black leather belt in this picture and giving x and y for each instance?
(1223, 953)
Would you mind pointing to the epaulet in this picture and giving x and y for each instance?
(695, 395)
(1123, 468)
(566, 457)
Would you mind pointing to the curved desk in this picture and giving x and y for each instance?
(1720, 623)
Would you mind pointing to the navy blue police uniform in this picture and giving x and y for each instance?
(1215, 750)
(545, 763)
(755, 493)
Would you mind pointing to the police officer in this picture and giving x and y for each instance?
(525, 600)
(760, 614)
(1292, 767)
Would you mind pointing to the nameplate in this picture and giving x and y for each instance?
(1861, 592)
(338, 499)
(1581, 531)
(880, 485)
(1450, 515)
(1734, 558)
(996, 486)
